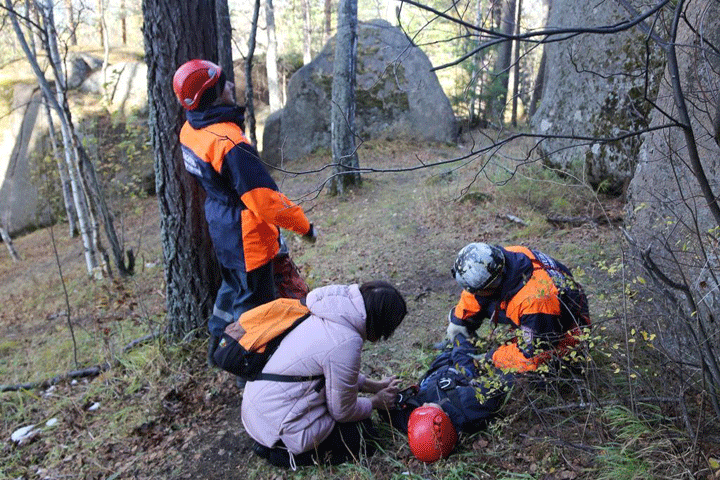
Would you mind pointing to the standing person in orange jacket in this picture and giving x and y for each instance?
(525, 289)
(244, 207)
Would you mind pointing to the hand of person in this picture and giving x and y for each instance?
(389, 382)
(453, 330)
(374, 386)
(385, 398)
(311, 235)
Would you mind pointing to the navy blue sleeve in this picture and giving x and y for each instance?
(246, 172)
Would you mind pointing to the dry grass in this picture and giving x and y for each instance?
(163, 414)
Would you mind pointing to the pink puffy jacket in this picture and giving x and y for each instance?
(328, 342)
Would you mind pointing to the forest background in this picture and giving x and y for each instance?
(87, 361)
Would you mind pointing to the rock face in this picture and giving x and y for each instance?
(595, 87)
(25, 127)
(666, 211)
(19, 204)
(397, 96)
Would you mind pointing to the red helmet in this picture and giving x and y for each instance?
(431, 433)
(192, 79)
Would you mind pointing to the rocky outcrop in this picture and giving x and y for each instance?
(397, 96)
(595, 87)
(667, 214)
(19, 204)
(27, 124)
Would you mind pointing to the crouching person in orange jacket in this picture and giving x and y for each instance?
(523, 288)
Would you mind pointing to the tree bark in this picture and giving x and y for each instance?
(328, 20)
(249, 104)
(123, 21)
(72, 25)
(504, 61)
(65, 184)
(271, 59)
(224, 25)
(516, 66)
(342, 115)
(174, 33)
(539, 85)
(59, 104)
(100, 27)
(307, 32)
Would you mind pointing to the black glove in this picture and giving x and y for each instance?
(213, 342)
(311, 235)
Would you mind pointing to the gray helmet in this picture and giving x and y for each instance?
(479, 266)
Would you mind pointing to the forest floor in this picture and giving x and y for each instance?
(160, 413)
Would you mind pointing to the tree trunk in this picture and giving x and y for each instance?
(249, 104)
(272, 71)
(224, 25)
(328, 20)
(123, 21)
(65, 184)
(539, 85)
(504, 61)
(7, 240)
(72, 25)
(307, 32)
(342, 114)
(107, 97)
(174, 33)
(58, 103)
(516, 66)
(100, 20)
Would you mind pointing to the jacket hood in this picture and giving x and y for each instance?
(216, 114)
(341, 304)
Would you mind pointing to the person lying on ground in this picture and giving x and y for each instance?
(460, 393)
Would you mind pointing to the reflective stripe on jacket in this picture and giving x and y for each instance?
(243, 207)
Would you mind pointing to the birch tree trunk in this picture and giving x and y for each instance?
(65, 184)
(342, 114)
(57, 102)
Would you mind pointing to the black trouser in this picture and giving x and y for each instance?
(345, 443)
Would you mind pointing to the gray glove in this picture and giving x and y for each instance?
(453, 330)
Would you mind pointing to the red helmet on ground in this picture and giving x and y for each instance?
(192, 79)
(431, 433)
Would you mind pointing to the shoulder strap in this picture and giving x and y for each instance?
(276, 377)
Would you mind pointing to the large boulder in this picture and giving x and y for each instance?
(126, 83)
(397, 96)
(667, 214)
(20, 207)
(595, 87)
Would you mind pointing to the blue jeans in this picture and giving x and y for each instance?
(239, 292)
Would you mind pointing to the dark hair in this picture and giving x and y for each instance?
(384, 307)
(211, 94)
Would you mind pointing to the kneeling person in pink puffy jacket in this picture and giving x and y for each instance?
(313, 421)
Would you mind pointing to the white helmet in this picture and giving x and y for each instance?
(479, 266)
